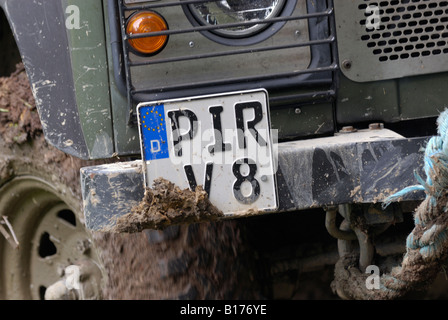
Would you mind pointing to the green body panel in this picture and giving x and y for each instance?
(310, 120)
(91, 78)
(423, 96)
(368, 101)
(391, 100)
(126, 137)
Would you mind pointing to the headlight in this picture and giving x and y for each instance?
(236, 11)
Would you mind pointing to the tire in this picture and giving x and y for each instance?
(39, 195)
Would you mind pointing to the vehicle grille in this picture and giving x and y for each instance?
(156, 83)
(407, 29)
(391, 39)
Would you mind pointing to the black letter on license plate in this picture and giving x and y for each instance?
(192, 179)
(250, 177)
(219, 144)
(175, 126)
(239, 107)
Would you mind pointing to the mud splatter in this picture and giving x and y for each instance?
(166, 204)
(22, 134)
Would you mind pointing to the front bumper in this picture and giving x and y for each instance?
(365, 166)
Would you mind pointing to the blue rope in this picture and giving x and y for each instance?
(431, 239)
(435, 159)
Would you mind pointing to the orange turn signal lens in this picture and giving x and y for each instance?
(145, 22)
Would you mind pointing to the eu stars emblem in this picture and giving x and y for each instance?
(153, 128)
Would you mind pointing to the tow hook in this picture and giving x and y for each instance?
(353, 228)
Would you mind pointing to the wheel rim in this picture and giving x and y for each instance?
(49, 233)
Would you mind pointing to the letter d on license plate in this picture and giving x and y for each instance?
(222, 142)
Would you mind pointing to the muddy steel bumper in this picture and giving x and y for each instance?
(364, 166)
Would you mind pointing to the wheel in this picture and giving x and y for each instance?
(40, 206)
(43, 212)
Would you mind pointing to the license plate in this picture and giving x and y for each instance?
(222, 142)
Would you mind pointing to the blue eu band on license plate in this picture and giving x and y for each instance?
(153, 127)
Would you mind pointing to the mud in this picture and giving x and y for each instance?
(165, 204)
(199, 261)
(18, 115)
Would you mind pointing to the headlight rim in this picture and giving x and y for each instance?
(260, 35)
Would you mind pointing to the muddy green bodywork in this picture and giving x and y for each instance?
(385, 101)
(91, 80)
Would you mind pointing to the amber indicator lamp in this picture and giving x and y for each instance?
(145, 22)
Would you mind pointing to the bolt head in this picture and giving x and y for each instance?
(348, 129)
(376, 126)
(347, 64)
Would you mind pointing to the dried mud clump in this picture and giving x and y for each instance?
(18, 114)
(166, 204)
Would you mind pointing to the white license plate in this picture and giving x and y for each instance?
(222, 142)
